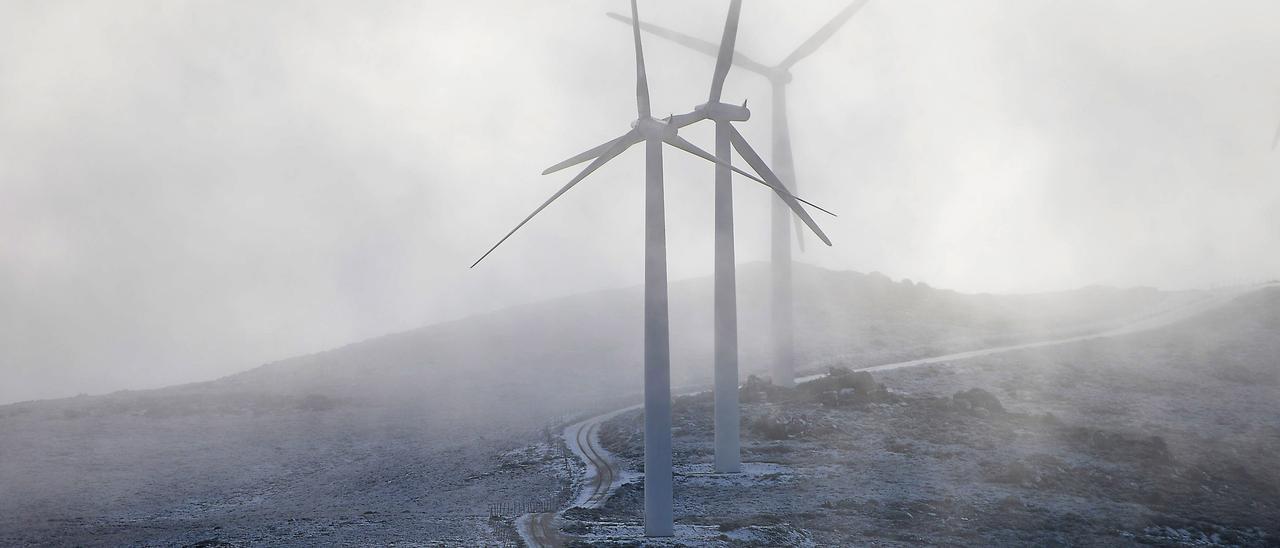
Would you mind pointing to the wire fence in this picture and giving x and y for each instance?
(549, 503)
(526, 506)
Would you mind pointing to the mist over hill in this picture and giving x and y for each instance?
(410, 424)
(589, 346)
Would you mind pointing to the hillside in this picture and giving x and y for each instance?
(588, 346)
(406, 435)
(1166, 437)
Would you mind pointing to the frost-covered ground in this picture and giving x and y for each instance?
(410, 438)
(350, 474)
(1167, 437)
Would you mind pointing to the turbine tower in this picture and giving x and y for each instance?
(658, 520)
(728, 451)
(780, 258)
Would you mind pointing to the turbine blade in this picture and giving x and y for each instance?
(683, 144)
(695, 44)
(814, 42)
(725, 59)
(594, 152)
(642, 81)
(799, 234)
(744, 149)
(619, 145)
(1276, 141)
(799, 225)
(813, 205)
(681, 120)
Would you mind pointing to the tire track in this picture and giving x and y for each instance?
(583, 438)
(605, 469)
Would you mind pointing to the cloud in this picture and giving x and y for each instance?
(189, 189)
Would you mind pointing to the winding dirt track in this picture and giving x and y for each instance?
(604, 471)
(543, 530)
(588, 440)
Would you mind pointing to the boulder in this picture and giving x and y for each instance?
(978, 401)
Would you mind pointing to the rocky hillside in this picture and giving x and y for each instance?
(1163, 438)
(402, 436)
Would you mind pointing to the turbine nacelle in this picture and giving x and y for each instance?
(724, 112)
(653, 128)
(779, 75)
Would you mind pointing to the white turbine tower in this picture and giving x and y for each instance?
(657, 370)
(779, 76)
(728, 449)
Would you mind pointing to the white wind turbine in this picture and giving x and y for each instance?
(657, 374)
(728, 450)
(779, 76)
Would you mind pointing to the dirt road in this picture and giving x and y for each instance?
(603, 475)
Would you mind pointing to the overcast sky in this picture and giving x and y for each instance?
(189, 189)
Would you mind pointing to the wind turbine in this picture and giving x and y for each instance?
(728, 454)
(779, 76)
(657, 373)
(726, 419)
(726, 414)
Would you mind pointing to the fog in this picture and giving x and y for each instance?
(191, 189)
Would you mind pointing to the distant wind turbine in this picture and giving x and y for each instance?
(657, 373)
(779, 76)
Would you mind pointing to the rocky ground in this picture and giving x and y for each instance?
(1164, 438)
(264, 472)
(411, 438)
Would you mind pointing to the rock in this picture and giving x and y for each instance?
(844, 387)
(783, 427)
(770, 427)
(842, 377)
(757, 390)
(977, 398)
(863, 382)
